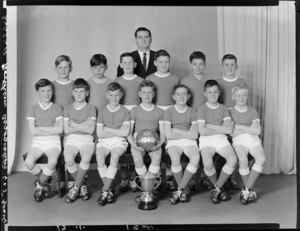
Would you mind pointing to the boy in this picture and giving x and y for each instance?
(146, 116)
(181, 132)
(98, 82)
(130, 84)
(45, 121)
(214, 123)
(195, 83)
(245, 140)
(113, 126)
(79, 125)
(227, 83)
(165, 82)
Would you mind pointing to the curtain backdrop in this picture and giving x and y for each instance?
(263, 39)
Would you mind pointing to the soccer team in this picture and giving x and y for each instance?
(194, 115)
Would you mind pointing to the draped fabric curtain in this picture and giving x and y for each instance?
(263, 39)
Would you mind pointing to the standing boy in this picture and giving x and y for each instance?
(45, 124)
(214, 123)
(113, 126)
(79, 125)
(130, 85)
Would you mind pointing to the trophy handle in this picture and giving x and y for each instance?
(158, 181)
(137, 177)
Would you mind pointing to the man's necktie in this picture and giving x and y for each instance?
(145, 62)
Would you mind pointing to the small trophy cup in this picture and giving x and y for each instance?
(147, 180)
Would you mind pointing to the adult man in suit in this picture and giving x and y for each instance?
(144, 57)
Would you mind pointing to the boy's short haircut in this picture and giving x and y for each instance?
(98, 59)
(62, 58)
(197, 55)
(229, 56)
(142, 29)
(147, 83)
(211, 83)
(236, 88)
(161, 53)
(81, 83)
(181, 86)
(126, 54)
(114, 86)
(43, 83)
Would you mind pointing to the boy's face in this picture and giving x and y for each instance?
(128, 64)
(146, 94)
(45, 93)
(198, 66)
(114, 97)
(162, 63)
(181, 96)
(143, 40)
(240, 97)
(63, 69)
(99, 70)
(229, 67)
(212, 94)
(80, 94)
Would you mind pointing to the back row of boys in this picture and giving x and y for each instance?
(178, 123)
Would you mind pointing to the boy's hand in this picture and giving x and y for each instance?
(156, 147)
(140, 149)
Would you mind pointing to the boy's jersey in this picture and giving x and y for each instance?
(196, 87)
(45, 117)
(164, 87)
(130, 87)
(180, 119)
(113, 119)
(226, 90)
(146, 118)
(63, 92)
(245, 118)
(210, 115)
(98, 91)
(79, 115)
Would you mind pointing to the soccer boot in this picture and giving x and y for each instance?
(252, 195)
(38, 192)
(102, 200)
(223, 195)
(193, 184)
(124, 186)
(47, 187)
(171, 185)
(214, 195)
(183, 197)
(111, 196)
(244, 196)
(133, 187)
(83, 192)
(175, 197)
(72, 194)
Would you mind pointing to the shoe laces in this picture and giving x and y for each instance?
(252, 194)
(245, 193)
(216, 189)
(83, 189)
(73, 192)
(104, 193)
(124, 182)
(110, 193)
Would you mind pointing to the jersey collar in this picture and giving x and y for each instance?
(63, 83)
(183, 111)
(146, 109)
(212, 107)
(45, 108)
(241, 111)
(162, 76)
(230, 80)
(111, 110)
(79, 108)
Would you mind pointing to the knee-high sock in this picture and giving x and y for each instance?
(110, 176)
(83, 168)
(188, 173)
(132, 172)
(255, 172)
(212, 175)
(124, 172)
(102, 173)
(244, 174)
(45, 175)
(177, 173)
(73, 170)
(225, 173)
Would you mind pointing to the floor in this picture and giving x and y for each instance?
(277, 203)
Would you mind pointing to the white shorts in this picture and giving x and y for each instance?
(113, 142)
(46, 142)
(246, 140)
(129, 107)
(216, 141)
(79, 140)
(182, 143)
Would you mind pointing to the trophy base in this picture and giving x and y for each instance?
(147, 206)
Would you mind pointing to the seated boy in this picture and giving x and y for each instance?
(79, 125)
(113, 126)
(247, 128)
(214, 123)
(45, 124)
(181, 133)
(146, 116)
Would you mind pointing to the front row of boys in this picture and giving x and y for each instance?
(179, 125)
